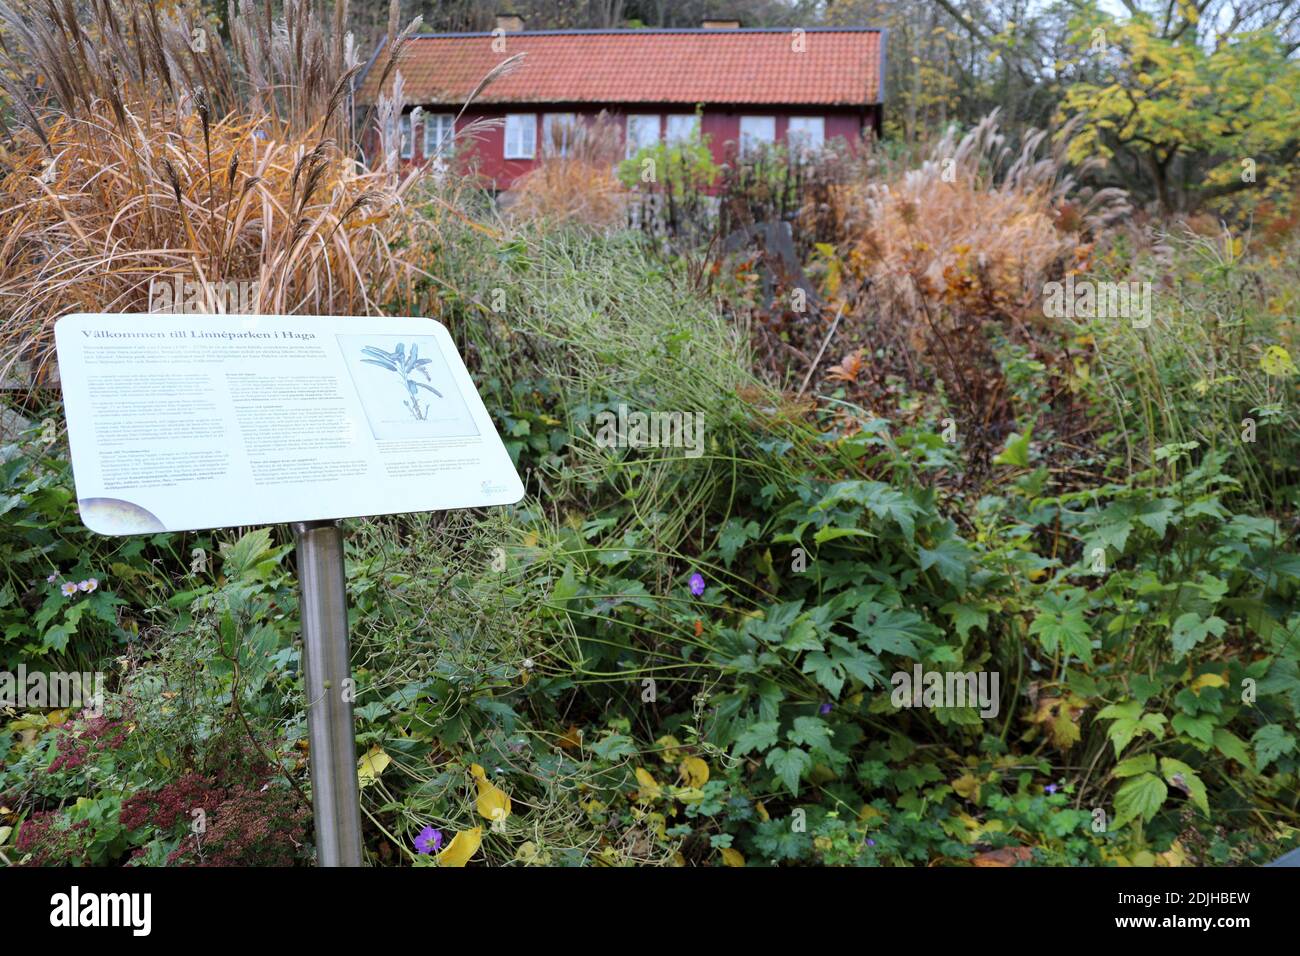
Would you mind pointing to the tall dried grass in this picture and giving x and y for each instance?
(141, 149)
(978, 227)
(953, 250)
(576, 181)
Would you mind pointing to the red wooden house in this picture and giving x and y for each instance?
(746, 85)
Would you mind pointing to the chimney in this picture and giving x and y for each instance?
(510, 23)
(721, 24)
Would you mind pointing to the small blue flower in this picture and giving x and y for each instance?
(429, 841)
(697, 584)
(825, 708)
(1051, 788)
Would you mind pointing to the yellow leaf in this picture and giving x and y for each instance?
(1208, 680)
(762, 811)
(529, 855)
(670, 749)
(4, 834)
(1174, 856)
(695, 771)
(650, 789)
(732, 857)
(967, 786)
(463, 846)
(371, 766)
(1277, 361)
(493, 803)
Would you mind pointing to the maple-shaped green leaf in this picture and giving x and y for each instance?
(759, 736)
(242, 556)
(812, 732)
(890, 629)
(829, 672)
(951, 557)
(1129, 722)
(734, 535)
(789, 765)
(1198, 728)
(964, 618)
(1271, 741)
(1141, 796)
(1066, 629)
(1232, 747)
(1189, 630)
(1135, 765)
(803, 636)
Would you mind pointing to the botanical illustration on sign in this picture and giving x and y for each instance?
(404, 363)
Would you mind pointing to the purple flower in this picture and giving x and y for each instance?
(88, 585)
(697, 584)
(429, 840)
(870, 842)
(825, 708)
(1051, 788)
(53, 577)
(68, 588)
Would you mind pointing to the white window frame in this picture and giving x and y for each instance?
(549, 120)
(805, 124)
(749, 139)
(674, 134)
(443, 127)
(634, 120)
(406, 130)
(520, 127)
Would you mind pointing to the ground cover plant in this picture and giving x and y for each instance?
(899, 473)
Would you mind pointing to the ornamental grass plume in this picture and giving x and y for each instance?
(575, 182)
(146, 143)
(978, 228)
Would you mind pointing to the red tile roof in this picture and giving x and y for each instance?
(838, 66)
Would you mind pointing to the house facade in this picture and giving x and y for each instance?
(742, 86)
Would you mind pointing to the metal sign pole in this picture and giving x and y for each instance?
(336, 802)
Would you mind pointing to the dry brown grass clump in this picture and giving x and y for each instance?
(976, 229)
(931, 259)
(144, 149)
(576, 181)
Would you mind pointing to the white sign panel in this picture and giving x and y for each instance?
(180, 422)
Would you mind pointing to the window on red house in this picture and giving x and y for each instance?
(439, 134)
(642, 131)
(806, 133)
(408, 138)
(521, 136)
(558, 133)
(682, 127)
(756, 132)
